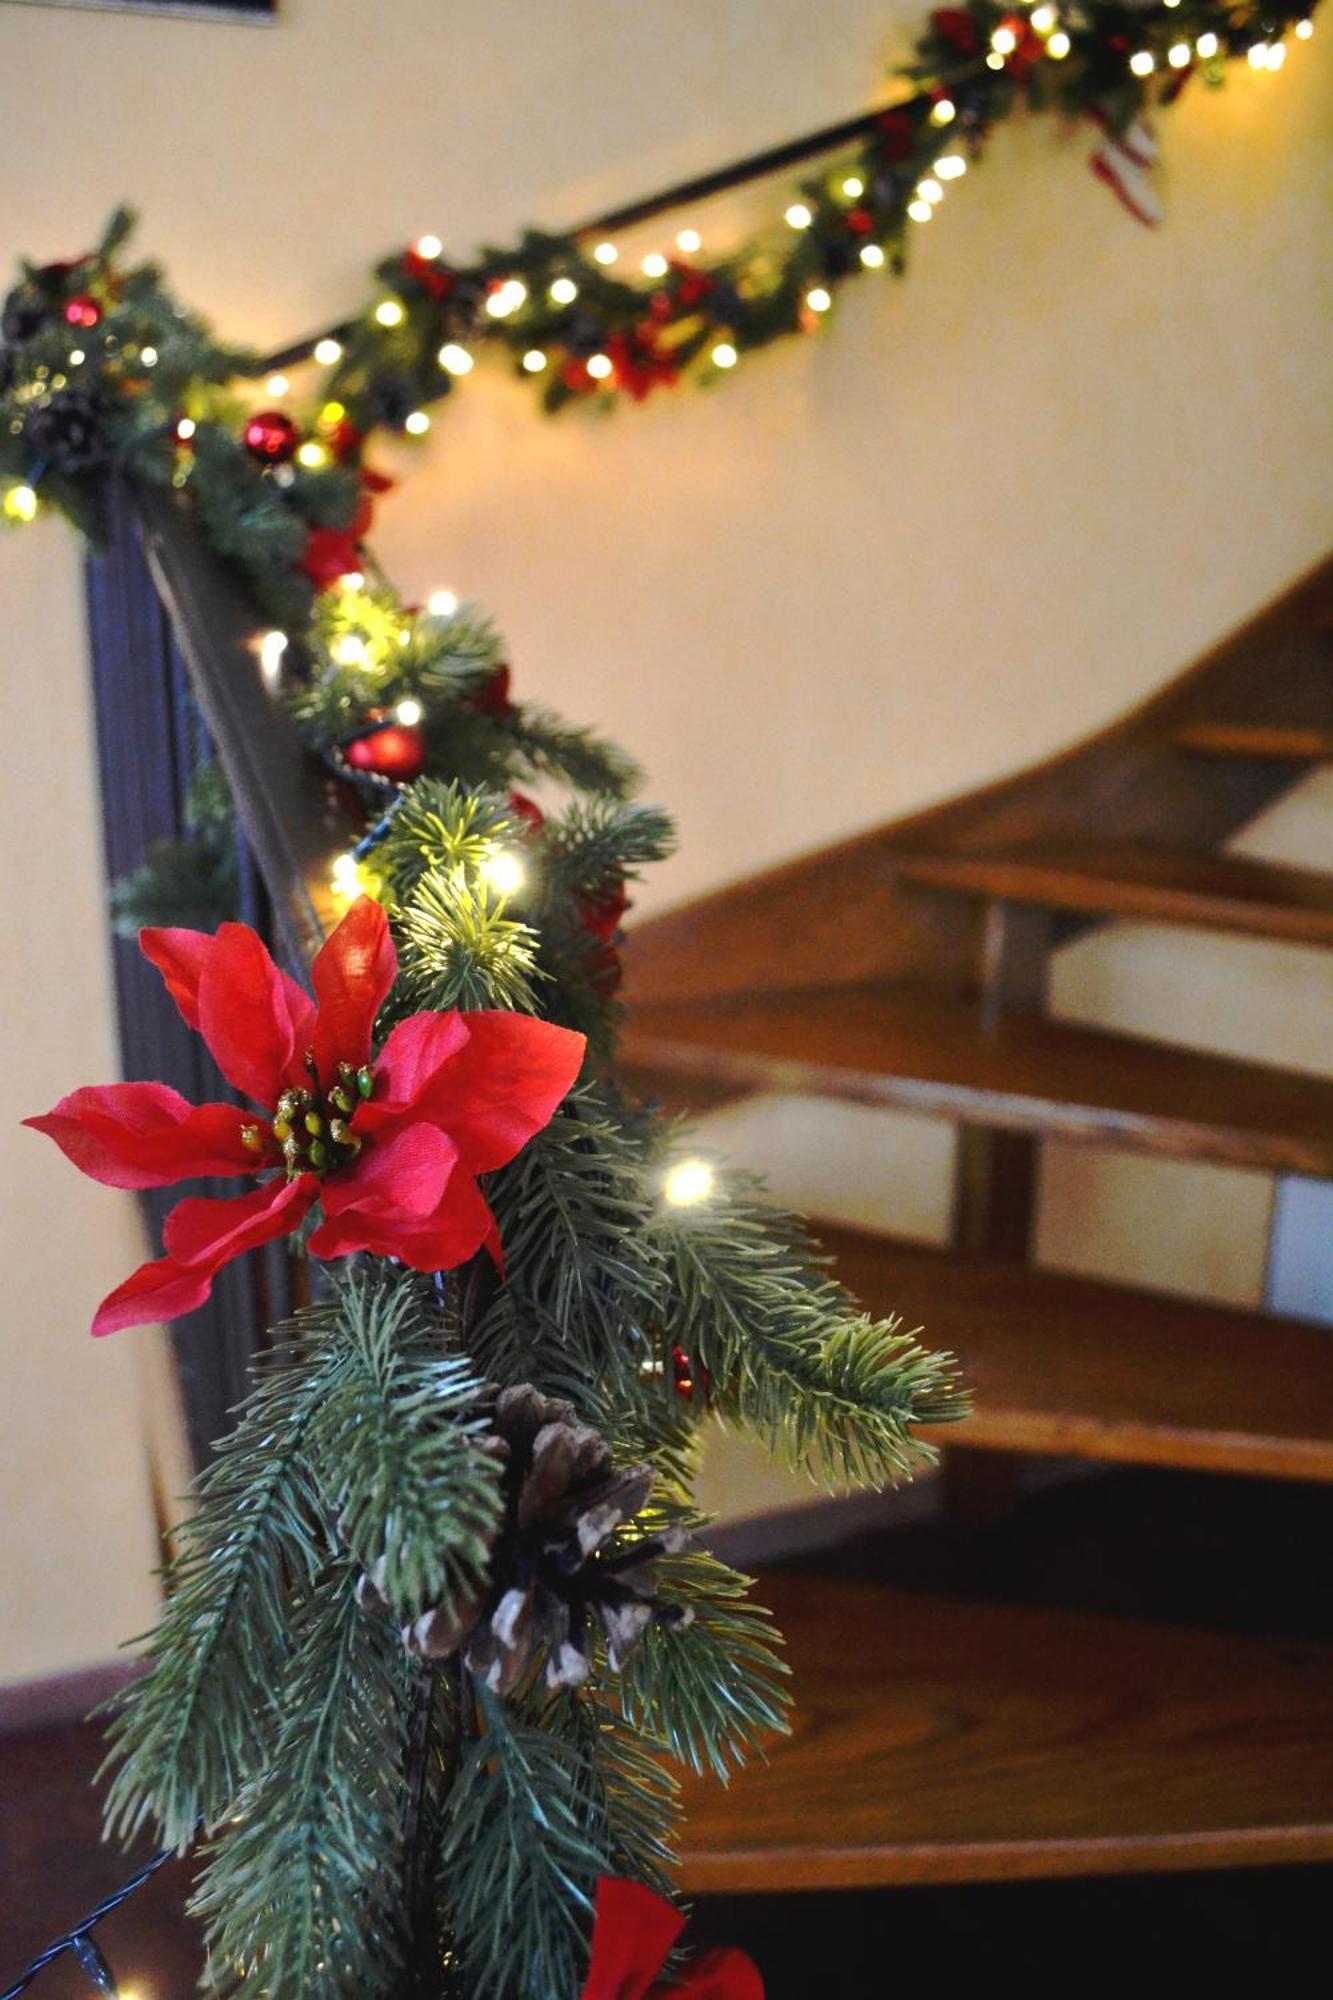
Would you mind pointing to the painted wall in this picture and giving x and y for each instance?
(989, 509)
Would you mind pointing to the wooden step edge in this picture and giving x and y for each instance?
(1266, 742)
(1000, 1426)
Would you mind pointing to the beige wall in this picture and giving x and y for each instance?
(992, 507)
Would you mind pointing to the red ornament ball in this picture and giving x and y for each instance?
(396, 751)
(82, 311)
(272, 436)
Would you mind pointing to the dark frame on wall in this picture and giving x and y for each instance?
(259, 12)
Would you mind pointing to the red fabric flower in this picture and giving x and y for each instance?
(955, 26)
(1028, 49)
(639, 364)
(631, 1939)
(390, 1145)
(897, 132)
(492, 697)
(330, 553)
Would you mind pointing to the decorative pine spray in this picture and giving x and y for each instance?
(441, 1625)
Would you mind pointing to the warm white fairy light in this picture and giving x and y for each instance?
(311, 454)
(534, 360)
(690, 241)
(271, 648)
(416, 423)
(1004, 41)
(503, 871)
(442, 604)
(148, 356)
(819, 300)
(798, 216)
(345, 877)
(930, 190)
(994, 61)
(563, 292)
(351, 581)
(455, 360)
(1142, 62)
(853, 187)
(277, 385)
(654, 265)
(1179, 54)
(428, 247)
(389, 312)
(77, 356)
(186, 429)
(920, 211)
(872, 256)
(349, 651)
(1044, 19)
(1277, 55)
(688, 1182)
(724, 355)
(943, 111)
(1258, 55)
(1059, 45)
(327, 351)
(606, 253)
(507, 299)
(1206, 46)
(950, 167)
(20, 503)
(600, 366)
(409, 712)
(1304, 30)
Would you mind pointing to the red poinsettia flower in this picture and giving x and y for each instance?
(389, 1144)
(955, 26)
(639, 365)
(631, 1939)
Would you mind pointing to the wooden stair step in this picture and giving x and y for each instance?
(929, 1054)
(1268, 742)
(946, 1741)
(1169, 885)
(1074, 1366)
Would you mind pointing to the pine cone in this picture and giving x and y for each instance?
(66, 431)
(550, 1571)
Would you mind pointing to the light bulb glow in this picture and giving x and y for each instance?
(277, 385)
(77, 356)
(311, 455)
(930, 190)
(428, 247)
(1004, 41)
(503, 872)
(345, 877)
(351, 581)
(688, 1182)
(1207, 45)
(272, 646)
(920, 211)
(853, 187)
(349, 651)
(455, 360)
(943, 111)
(600, 366)
(389, 313)
(409, 712)
(724, 355)
(148, 356)
(819, 300)
(606, 253)
(1304, 30)
(654, 265)
(507, 299)
(442, 604)
(1277, 55)
(1044, 19)
(798, 216)
(1179, 54)
(950, 167)
(1059, 45)
(186, 429)
(873, 257)
(327, 352)
(534, 361)
(332, 415)
(416, 423)
(1142, 62)
(1258, 55)
(690, 241)
(994, 61)
(20, 503)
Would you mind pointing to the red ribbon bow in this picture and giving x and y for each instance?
(631, 1940)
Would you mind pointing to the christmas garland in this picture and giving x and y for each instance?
(439, 1627)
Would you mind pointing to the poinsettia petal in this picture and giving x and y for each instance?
(413, 1054)
(351, 975)
(504, 1084)
(203, 1234)
(245, 1015)
(158, 1291)
(632, 1935)
(722, 1974)
(460, 1225)
(404, 1174)
(142, 1135)
(179, 956)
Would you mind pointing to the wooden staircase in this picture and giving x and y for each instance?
(910, 968)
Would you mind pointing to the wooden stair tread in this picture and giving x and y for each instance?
(938, 1740)
(1157, 884)
(1269, 742)
(915, 1052)
(1069, 1365)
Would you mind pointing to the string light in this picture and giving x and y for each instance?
(872, 256)
(655, 265)
(442, 604)
(311, 455)
(77, 356)
(819, 300)
(563, 292)
(186, 429)
(1059, 45)
(853, 187)
(148, 356)
(1179, 54)
(508, 299)
(504, 872)
(428, 247)
(389, 312)
(345, 877)
(409, 712)
(688, 1182)
(534, 361)
(1142, 62)
(350, 651)
(20, 503)
(1207, 45)
(1304, 30)
(950, 167)
(798, 216)
(1004, 41)
(943, 111)
(332, 415)
(277, 385)
(920, 211)
(691, 242)
(724, 355)
(327, 351)
(930, 191)
(1258, 55)
(994, 61)
(455, 360)
(600, 366)
(1044, 19)
(272, 646)
(416, 423)
(1277, 55)
(351, 581)
(606, 253)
